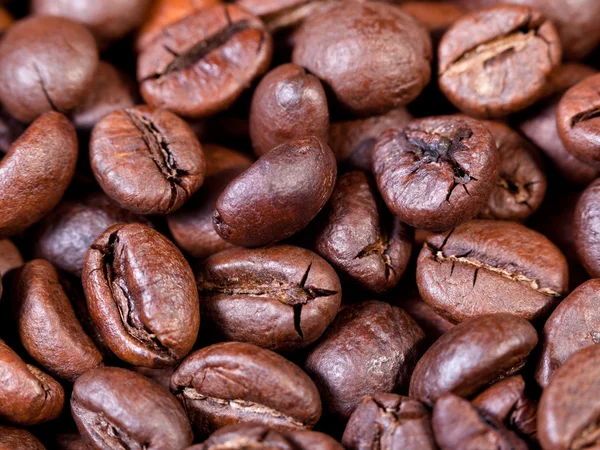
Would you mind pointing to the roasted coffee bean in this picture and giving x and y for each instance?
(472, 355)
(311, 440)
(116, 408)
(278, 195)
(370, 348)
(10, 256)
(487, 266)
(141, 295)
(18, 439)
(569, 407)
(36, 172)
(586, 229)
(288, 103)
(71, 441)
(382, 55)
(496, 61)
(459, 425)
(200, 65)
(430, 322)
(160, 376)
(389, 421)
(436, 16)
(236, 382)
(10, 130)
(28, 90)
(28, 396)
(281, 298)
(438, 172)
(146, 159)
(360, 238)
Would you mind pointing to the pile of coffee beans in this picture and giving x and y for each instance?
(299, 224)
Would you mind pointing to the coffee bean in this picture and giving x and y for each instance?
(309, 440)
(10, 130)
(146, 316)
(114, 408)
(438, 172)
(278, 195)
(485, 266)
(436, 16)
(496, 61)
(71, 441)
(281, 298)
(200, 65)
(473, 354)
(430, 322)
(10, 257)
(586, 223)
(236, 382)
(18, 439)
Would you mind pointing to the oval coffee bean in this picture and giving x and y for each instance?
(36, 172)
(141, 295)
(117, 408)
(281, 298)
(146, 159)
(371, 347)
(389, 421)
(438, 172)
(359, 236)
(278, 195)
(201, 64)
(235, 382)
(497, 61)
(18, 439)
(486, 266)
(48, 327)
(472, 355)
(586, 229)
(27, 395)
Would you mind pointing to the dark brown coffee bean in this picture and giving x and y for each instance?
(148, 317)
(373, 56)
(312, 440)
(459, 425)
(278, 195)
(430, 322)
(438, 172)
(569, 407)
(360, 238)
(436, 16)
(573, 325)
(10, 256)
(497, 61)
(36, 172)
(200, 65)
(288, 103)
(586, 229)
(521, 184)
(28, 90)
(487, 266)
(71, 441)
(160, 376)
(116, 408)
(577, 120)
(236, 382)
(472, 355)
(146, 159)
(370, 348)
(281, 298)
(389, 421)
(28, 396)
(18, 439)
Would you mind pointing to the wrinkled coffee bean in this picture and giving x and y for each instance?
(17, 439)
(586, 229)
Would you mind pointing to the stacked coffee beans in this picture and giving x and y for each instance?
(299, 224)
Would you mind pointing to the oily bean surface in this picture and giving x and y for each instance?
(586, 229)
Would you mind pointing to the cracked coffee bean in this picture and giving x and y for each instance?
(486, 266)
(389, 421)
(200, 65)
(497, 61)
(18, 439)
(360, 238)
(438, 172)
(278, 195)
(371, 347)
(117, 408)
(586, 229)
(146, 159)
(236, 382)
(141, 295)
(472, 355)
(281, 298)
(31, 81)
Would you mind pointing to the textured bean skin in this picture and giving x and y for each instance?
(146, 159)
(281, 298)
(484, 267)
(278, 195)
(28, 396)
(370, 348)
(148, 317)
(235, 382)
(18, 439)
(36, 172)
(586, 229)
(116, 408)
(471, 355)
